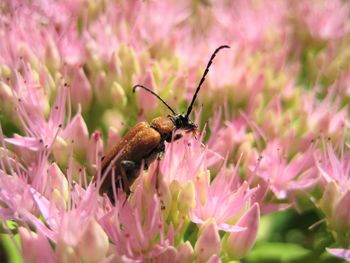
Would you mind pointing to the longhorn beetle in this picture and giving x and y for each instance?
(144, 142)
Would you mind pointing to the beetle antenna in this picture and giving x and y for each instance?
(203, 78)
(155, 94)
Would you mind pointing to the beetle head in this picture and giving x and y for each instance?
(183, 122)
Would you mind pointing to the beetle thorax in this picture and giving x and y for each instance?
(164, 125)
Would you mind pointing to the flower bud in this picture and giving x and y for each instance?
(59, 184)
(214, 259)
(208, 242)
(58, 199)
(35, 248)
(246, 146)
(146, 99)
(5, 71)
(95, 149)
(129, 67)
(185, 253)
(6, 97)
(117, 95)
(93, 244)
(341, 253)
(81, 91)
(168, 255)
(77, 133)
(65, 253)
(175, 188)
(186, 199)
(29, 55)
(239, 243)
(100, 81)
(61, 151)
(53, 58)
(113, 118)
(329, 198)
(113, 138)
(341, 215)
(201, 184)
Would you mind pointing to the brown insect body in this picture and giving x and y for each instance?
(143, 143)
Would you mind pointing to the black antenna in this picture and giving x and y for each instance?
(203, 78)
(155, 94)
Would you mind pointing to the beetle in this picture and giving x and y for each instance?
(144, 142)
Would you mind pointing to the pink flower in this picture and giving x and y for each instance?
(137, 228)
(35, 246)
(325, 19)
(208, 243)
(340, 253)
(238, 244)
(285, 176)
(225, 138)
(95, 150)
(40, 133)
(254, 22)
(333, 168)
(15, 196)
(51, 36)
(16, 182)
(223, 200)
(81, 91)
(147, 100)
(76, 132)
(70, 227)
(335, 174)
(326, 116)
(186, 159)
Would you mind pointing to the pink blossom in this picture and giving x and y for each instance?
(325, 19)
(137, 228)
(15, 196)
(147, 100)
(40, 133)
(225, 138)
(95, 150)
(222, 200)
(16, 182)
(186, 158)
(208, 243)
(341, 253)
(325, 116)
(51, 32)
(65, 225)
(35, 247)
(255, 21)
(334, 168)
(76, 132)
(238, 244)
(81, 91)
(285, 176)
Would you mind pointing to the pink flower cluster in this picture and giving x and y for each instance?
(273, 115)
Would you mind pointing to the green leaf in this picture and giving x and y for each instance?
(277, 252)
(11, 251)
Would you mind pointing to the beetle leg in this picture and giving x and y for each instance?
(177, 137)
(157, 173)
(129, 171)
